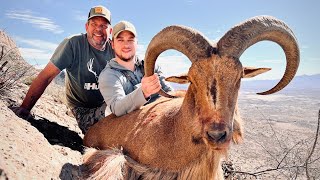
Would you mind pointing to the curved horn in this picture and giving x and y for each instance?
(260, 28)
(186, 40)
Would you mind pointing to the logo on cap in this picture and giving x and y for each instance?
(98, 10)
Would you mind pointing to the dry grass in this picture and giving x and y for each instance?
(13, 67)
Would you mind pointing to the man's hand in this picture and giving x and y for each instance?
(150, 85)
(22, 112)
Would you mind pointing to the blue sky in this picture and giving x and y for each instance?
(38, 26)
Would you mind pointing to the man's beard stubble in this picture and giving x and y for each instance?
(123, 58)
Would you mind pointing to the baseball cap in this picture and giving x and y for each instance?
(123, 26)
(100, 11)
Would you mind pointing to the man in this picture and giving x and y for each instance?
(83, 56)
(121, 82)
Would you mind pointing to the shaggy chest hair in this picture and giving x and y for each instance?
(115, 165)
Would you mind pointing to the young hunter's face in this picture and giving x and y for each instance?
(125, 46)
(97, 32)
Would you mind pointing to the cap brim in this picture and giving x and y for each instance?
(99, 16)
(116, 35)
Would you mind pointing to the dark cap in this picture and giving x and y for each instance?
(100, 11)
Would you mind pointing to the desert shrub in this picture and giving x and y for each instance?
(12, 67)
(28, 80)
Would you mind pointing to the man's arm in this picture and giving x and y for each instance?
(39, 84)
(112, 90)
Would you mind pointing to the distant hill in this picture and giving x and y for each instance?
(60, 78)
(307, 82)
(304, 82)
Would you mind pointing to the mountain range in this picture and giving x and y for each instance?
(303, 82)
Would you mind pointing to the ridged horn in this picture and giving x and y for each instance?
(260, 28)
(184, 39)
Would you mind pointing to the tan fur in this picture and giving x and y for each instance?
(169, 136)
(116, 165)
(101, 164)
(187, 137)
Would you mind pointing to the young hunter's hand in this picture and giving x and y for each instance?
(150, 85)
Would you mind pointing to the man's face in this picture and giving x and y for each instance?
(98, 29)
(125, 46)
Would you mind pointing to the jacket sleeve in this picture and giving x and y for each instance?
(111, 88)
